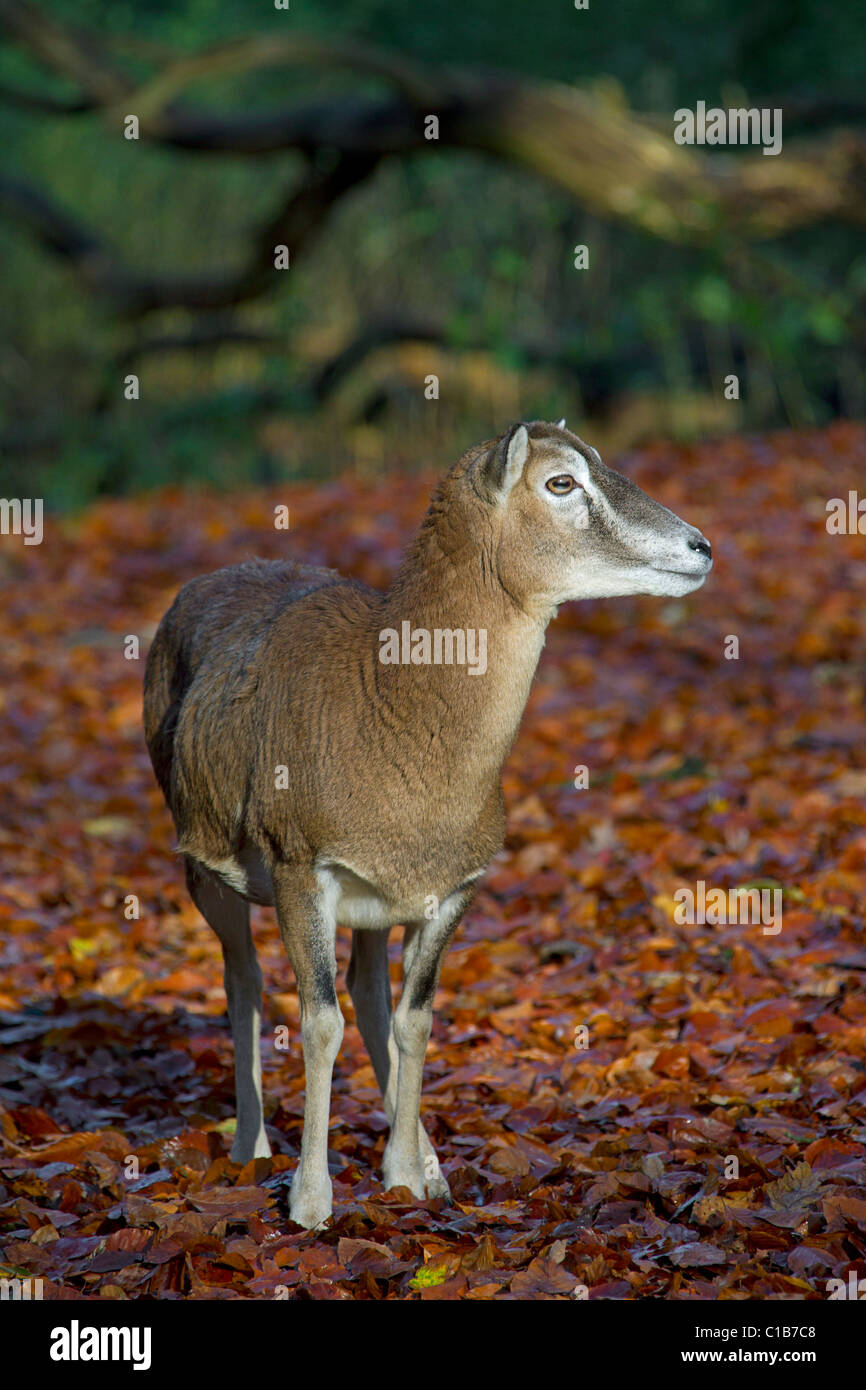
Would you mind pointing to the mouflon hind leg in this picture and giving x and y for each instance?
(229, 916)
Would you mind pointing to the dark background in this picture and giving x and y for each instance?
(634, 348)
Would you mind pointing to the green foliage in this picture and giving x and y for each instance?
(482, 247)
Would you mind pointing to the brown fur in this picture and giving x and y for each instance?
(393, 769)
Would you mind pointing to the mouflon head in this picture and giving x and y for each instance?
(569, 527)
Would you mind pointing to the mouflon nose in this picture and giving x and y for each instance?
(702, 545)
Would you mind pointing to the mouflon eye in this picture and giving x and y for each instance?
(561, 484)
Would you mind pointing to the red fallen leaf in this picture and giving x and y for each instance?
(672, 1061)
(613, 1288)
(633, 1182)
(543, 1278)
(705, 1127)
(763, 1239)
(527, 1119)
(323, 1289)
(769, 1020)
(206, 1058)
(604, 1187)
(107, 1260)
(830, 1153)
(160, 1188)
(509, 1162)
(320, 1262)
(706, 1024)
(71, 1197)
(231, 1201)
(73, 1146)
(272, 1281)
(220, 1168)
(254, 1173)
(33, 1122)
(184, 980)
(366, 1256)
(73, 1247)
(234, 1260)
(286, 1256)
(483, 1291)
(36, 1259)
(162, 1251)
(37, 1216)
(696, 1254)
(789, 1220)
(169, 1279)
(189, 1139)
(211, 1272)
(449, 1289)
(838, 1210)
(804, 1259)
(129, 1238)
(260, 1231)
(142, 1209)
(107, 1171)
(243, 1246)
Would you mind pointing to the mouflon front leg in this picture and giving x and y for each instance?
(369, 984)
(229, 916)
(305, 912)
(424, 946)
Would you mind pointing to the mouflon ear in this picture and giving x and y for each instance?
(506, 460)
(560, 424)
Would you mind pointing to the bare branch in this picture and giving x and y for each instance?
(132, 294)
(70, 52)
(552, 350)
(151, 101)
(207, 335)
(43, 103)
(54, 228)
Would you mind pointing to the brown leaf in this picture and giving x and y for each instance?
(232, 1202)
(509, 1162)
(798, 1188)
(543, 1278)
(366, 1256)
(696, 1254)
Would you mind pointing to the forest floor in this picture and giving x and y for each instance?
(621, 1102)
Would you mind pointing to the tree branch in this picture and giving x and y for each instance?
(207, 335)
(43, 103)
(133, 294)
(565, 352)
(71, 52)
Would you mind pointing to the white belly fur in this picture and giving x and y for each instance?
(353, 900)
